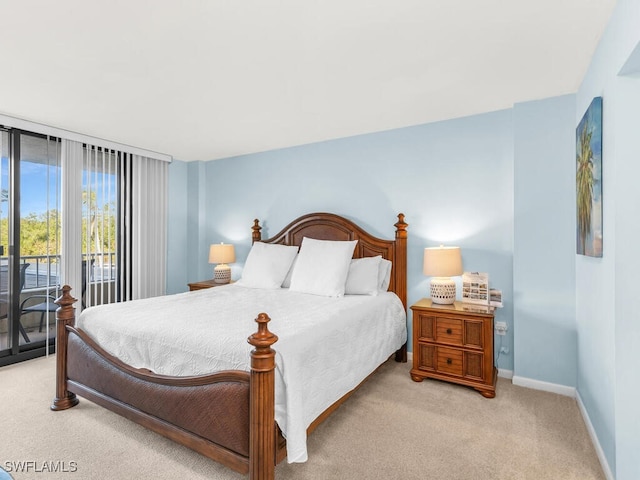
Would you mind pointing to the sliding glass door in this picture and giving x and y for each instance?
(29, 244)
(114, 229)
(6, 326)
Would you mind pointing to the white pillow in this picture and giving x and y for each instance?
(363, 276)
(287, 279)
(322, 267)
(267, 265)
(384, 275)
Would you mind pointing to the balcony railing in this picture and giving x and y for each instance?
(42, 271)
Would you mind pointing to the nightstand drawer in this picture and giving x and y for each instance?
(449, 330)
(450, 360)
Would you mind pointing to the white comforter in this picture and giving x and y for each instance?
(326, 346)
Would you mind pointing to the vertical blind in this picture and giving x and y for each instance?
(100, 200)
(143, 226)
(147, 224)
(114, 230)
(52, 214)
(71, 250)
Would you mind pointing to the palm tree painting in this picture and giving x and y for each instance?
(589, 181)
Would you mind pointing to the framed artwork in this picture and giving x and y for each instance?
(589, 181)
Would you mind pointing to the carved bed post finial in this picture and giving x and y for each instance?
(256, 236)
(65, 315)
(262, 437)
(401, 226)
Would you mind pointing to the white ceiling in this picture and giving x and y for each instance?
(208, 79)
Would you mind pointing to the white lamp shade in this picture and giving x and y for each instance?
(222, 253)
(442, 261)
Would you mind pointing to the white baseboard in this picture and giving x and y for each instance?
(570, 392)
(594, 439)
(561, 390)
(544, 386)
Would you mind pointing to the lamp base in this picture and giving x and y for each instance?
(443, 290)
(222, 273)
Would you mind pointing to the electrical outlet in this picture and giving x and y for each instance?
(504, 350)
(501, 328)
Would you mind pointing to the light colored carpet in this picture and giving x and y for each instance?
(392, 428)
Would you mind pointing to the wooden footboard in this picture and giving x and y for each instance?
(227, 416)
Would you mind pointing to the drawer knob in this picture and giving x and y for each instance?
(449, 361)
(448, 331)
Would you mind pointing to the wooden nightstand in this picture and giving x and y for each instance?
(454, 343)
(205, 284)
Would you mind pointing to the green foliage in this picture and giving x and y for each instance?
(584, 183)
(40, 233)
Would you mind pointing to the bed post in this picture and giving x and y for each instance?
(256, 235)
(262, 425)
(65, 315)
(400, 259)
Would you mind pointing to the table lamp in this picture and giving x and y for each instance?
(222, 254)
(441, 263)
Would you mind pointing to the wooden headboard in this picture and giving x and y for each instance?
(328, 226)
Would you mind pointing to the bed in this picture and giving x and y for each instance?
(227, 415)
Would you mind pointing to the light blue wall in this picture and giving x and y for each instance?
(606, 313)
(453, 180)
(177, 238)
(187, 245)
(603, 290)
(545, 333)
(198, 246)
(627, 266)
